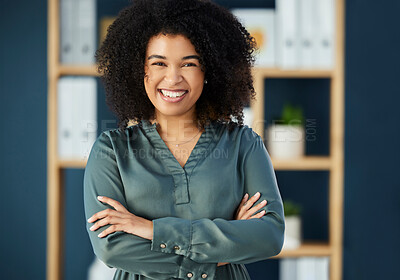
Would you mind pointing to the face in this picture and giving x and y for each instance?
(174, 78)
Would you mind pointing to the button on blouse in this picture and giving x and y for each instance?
(192, 207)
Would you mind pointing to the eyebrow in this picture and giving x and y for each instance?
(183, 58)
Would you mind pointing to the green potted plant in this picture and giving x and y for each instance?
(293, 227)
(285, 137)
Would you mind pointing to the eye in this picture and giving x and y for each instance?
(158, 63)
(189, 64)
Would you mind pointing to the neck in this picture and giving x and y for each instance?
(176, 128)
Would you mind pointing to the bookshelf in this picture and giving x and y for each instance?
(334, 163)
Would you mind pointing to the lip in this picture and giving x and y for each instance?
(172, 99)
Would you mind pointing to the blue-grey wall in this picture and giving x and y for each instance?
(372, 196)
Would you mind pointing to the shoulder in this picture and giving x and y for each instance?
(242, 133)
(241, 136)
(116, 137)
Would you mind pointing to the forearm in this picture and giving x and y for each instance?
(219, 240)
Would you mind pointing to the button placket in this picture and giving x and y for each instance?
(181, 188)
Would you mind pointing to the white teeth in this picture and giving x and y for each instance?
(172, 94)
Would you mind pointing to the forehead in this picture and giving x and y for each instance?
(170, 46)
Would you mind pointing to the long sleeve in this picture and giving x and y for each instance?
(234, 241)
(128, 252)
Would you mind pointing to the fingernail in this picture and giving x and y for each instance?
(263, 212)
(91, 228)
(99, 197)
(257, 193)
(264, 201)
(246, 195)
(89, 219)
(100, 235)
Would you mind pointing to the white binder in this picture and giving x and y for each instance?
(307, 39)
(78, 31)
(86, 31)
(287, 33)
(65, 106)
(322, 268)
(288, 269)
(67, 44)
(306, 268)
(77, 116)
(261, 25)
(86, 116)
(248, 115)
(325, 33)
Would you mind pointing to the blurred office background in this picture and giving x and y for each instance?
(371, 190)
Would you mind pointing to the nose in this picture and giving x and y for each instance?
(173, 75)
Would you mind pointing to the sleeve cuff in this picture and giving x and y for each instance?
(192, 270)
(171, 235)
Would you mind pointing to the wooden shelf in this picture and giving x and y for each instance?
(79, 70)
(307, 249)
(72, 163)
(300, 73)
(303, 163)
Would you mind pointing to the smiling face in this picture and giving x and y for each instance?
(174, 78)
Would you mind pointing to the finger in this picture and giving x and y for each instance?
(252, 200)
(255, 209)
(102, 214)
(109, 220)
(246, 206)
(242, 202)
(117, 206)
(244, 199)
(109, 230)
(258, 215)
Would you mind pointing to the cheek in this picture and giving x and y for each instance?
(197, 80)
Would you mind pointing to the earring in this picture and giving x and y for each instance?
(205, 82)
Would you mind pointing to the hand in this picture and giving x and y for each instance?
(120, 219)
(245, 212)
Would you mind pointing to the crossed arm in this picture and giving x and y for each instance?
(145, 247)
(120, 219)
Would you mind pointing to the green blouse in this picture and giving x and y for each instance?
(192, 208)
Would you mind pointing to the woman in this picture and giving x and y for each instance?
(167, 198)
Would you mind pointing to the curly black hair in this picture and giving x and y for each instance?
(226, 53)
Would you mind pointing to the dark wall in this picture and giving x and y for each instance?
(372, 202)
(23, 90)
(372, 206)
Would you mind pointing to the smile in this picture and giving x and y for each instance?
(172, 93)
(172, 96)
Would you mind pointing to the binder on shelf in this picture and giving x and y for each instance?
(78, 31)
(248, 116)
(86, 31)
(322, 268)
(287, 34)
(306, 268)
(67, 44)
(77, 113)
(65, 118)
(261, 25)
(325, 31)
(288, 269)
(87, 114)
(307, 40)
